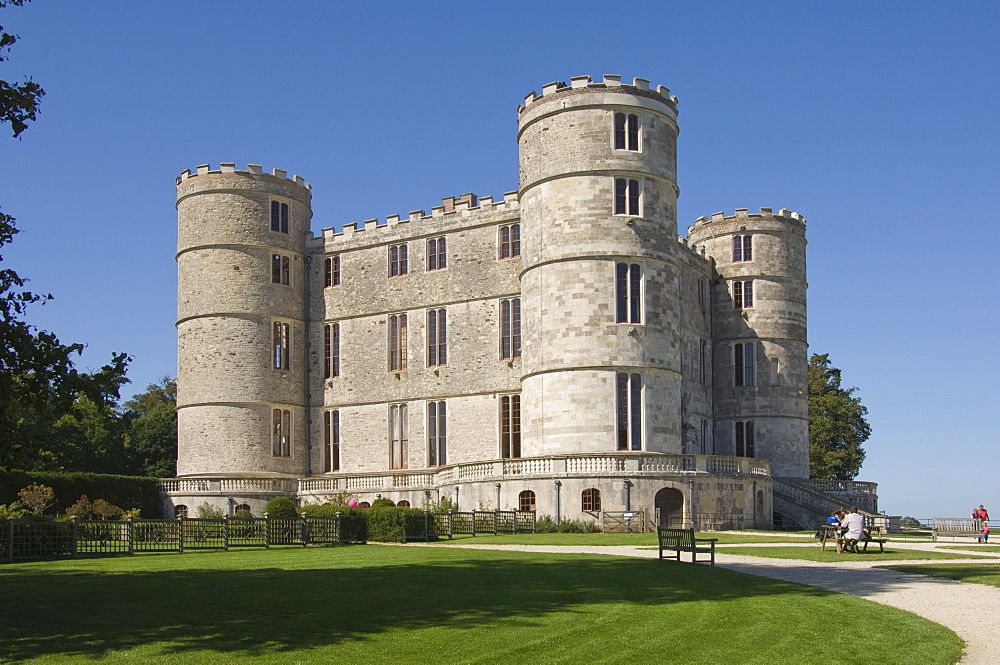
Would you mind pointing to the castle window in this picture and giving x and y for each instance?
(626, 131)
(744, 438)
(281, 433)
(526, 500)
(510, 328)
(626, 196)
(331, 350)
(628, 288)
(591, 500)
(180, 511)
(743, 363)
(742, 249)
(331, 273)
(398, 264)
(629, 408)
(402, 503)
(703, 362)
(331, 441)
(510, 426)
(399, 428)
(242, 506)
(282, 344)
(437, 337)
(437, 257)
(704, 437)
(510, 241)
(437, 433)
(701, 293)
(280, 269)
(279, 217)
(743, 294)
(397, 342)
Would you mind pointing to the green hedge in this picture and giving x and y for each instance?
(389, 524)
(123, 491)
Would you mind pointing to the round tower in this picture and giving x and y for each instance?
(601, 366)
(241, 388)
(759, 324)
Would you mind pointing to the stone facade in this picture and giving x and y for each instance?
(683, 409)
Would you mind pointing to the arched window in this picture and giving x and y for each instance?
(242, 506)
(402, 503)
(180, 511)
(591, 500)
(526, 500)
(364, 504)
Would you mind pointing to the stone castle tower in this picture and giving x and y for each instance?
(610, 365)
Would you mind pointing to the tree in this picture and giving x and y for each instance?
(837, 425)
(38, 381)
(151, 438)
(18, 101)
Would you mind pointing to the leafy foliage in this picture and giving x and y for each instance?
(18, 101)
(134, 492)
(37, 498)
(837, 424)
(151, 429)
(281, 506)
(206, 511)
(389, 524)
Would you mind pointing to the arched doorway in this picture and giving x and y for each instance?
(669, 505)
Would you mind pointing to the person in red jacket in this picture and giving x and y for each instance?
(982, 518)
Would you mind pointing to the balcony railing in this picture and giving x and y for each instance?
(636, 464)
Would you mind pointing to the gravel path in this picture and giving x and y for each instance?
(971, 610)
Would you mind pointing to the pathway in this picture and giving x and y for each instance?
(971, 610)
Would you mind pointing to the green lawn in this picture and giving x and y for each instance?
(972, 546)
(382, 604)
(978, 573)
(592, 539)
(831, 555)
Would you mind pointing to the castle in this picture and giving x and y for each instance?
(559, 349)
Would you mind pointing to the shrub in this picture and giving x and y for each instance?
(545, 524)
(106, 511)
(131, 514)
(383, 503)
(389, 524)
(37, 498)
(242, 514)
(206, 512)
(82, 509)
(14, 511)
(442, 505)
(281, 506)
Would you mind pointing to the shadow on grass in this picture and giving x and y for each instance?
(317, 598)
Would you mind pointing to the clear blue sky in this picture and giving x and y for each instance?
(877, 121)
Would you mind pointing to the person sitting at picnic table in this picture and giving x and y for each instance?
(855, 525)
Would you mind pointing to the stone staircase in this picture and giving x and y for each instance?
(807, 503)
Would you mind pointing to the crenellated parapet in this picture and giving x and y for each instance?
(611, 83)
(744, 213)
(252, 169)
(452, 206)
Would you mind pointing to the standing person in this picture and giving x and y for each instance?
(986, 532)
(982, 517)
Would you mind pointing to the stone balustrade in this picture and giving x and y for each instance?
(637, 464)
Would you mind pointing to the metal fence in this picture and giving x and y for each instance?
(28, 540)
(481, 522)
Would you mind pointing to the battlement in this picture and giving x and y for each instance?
(743, 213)
(465, 204)
(252, 169)
(611, 83)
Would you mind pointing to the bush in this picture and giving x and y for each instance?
(382, 503)
(206, 512)
(37, 498)
(242, 514)
(82, 509)
(139, 492)
(545, 524)
(14, 511)
(281, 506)
(389, 524)
(442, 505)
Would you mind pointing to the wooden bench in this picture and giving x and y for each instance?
(683, 540)
(873, 535)
(955, 526)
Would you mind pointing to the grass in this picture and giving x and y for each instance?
(383, 604)
(978, 573)
(830, 555)
(599, 539)
(972, 546)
